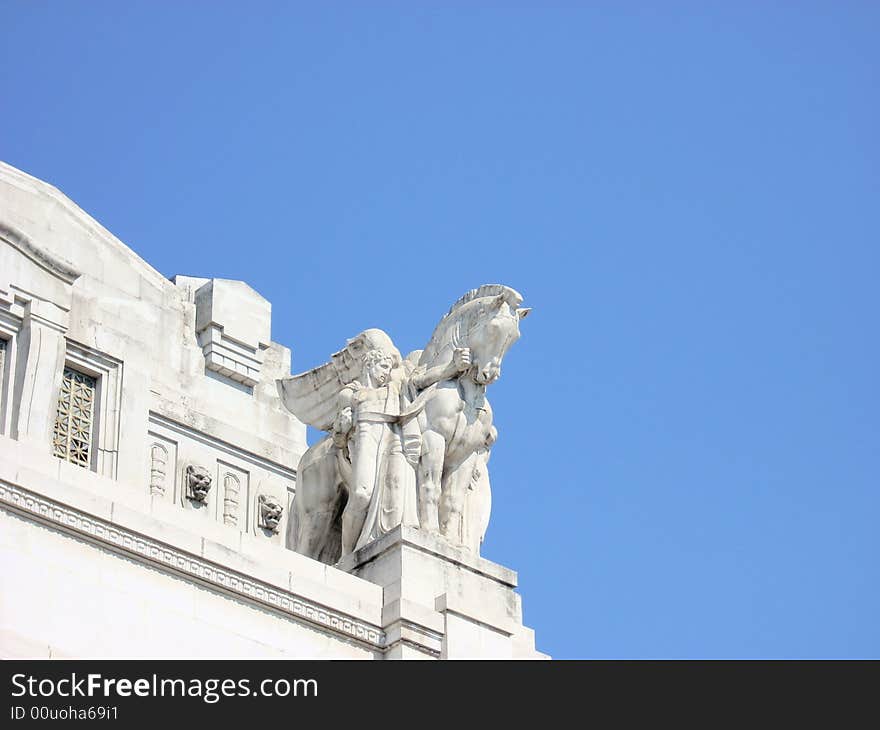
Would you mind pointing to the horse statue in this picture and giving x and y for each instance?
(433, 473)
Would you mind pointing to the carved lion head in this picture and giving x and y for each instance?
(198, 482)
(270, 512)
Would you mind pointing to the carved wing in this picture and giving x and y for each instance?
(312, 396)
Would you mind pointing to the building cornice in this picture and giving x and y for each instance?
(173, 560)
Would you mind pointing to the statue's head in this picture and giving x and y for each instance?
(198, 482)
(495, 328)
(378, 366)
(377, 355)
(271, 510)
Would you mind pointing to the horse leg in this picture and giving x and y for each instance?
(315, 527)
(452, 501)
(430, 476)
(316, 504)
(478, 503)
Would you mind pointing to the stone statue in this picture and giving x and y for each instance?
(359, 481)
(409, 440)
(370, 409)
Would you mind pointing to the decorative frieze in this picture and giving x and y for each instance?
(222, 482)
(204, 443)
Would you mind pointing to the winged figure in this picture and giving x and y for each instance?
(408, 439)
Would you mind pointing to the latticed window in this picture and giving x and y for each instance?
(75, 419)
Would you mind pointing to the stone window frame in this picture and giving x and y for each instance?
(107, 372)
(9, 328)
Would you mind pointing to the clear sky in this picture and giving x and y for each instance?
(685, 193)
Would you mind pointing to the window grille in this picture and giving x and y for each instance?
(75, 418)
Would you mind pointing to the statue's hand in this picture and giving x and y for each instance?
(344, 421)
(355, 385)
(461, 358)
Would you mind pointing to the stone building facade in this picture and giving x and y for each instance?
(148, 468)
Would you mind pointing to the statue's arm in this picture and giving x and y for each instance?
(460, 363)
(344, 421)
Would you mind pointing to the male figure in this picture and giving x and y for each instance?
(369, 411)
(384, 447)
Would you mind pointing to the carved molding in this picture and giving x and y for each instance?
(43, 258)
(221, 446)
(231, 499)
(415, 636)
(31, 505)
(158, 469)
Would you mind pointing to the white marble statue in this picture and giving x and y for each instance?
(408, 439)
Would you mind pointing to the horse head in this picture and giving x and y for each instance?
(494, 330)
(485, 320)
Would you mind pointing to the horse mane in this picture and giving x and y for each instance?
(450, 324)
(487, 290)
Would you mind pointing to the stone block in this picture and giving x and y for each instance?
(233, 329)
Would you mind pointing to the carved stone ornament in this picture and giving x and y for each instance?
(270, 512)
(408, 439)
(158, 466)
(231, 489)
(198, 483)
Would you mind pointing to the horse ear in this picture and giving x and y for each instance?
(524, 312)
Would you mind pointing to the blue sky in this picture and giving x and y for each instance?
(685, 193)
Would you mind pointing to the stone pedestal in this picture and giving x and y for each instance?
(442, 602)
